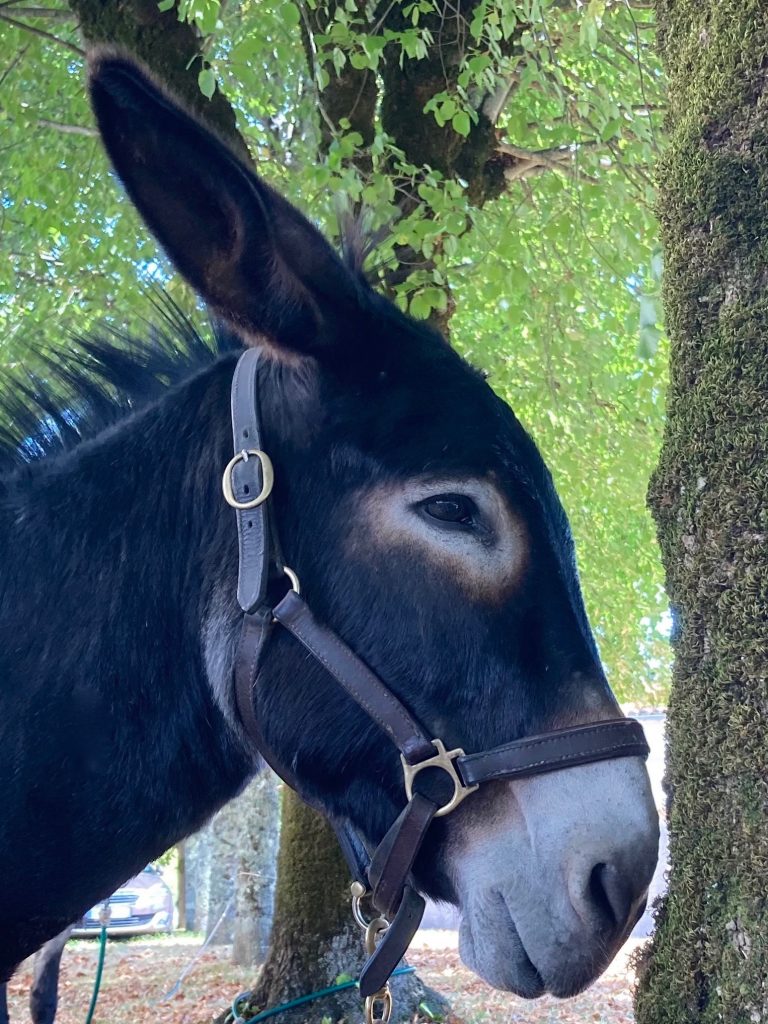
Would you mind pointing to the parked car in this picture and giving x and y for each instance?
(142, 906)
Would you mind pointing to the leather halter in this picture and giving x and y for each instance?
(436, 779)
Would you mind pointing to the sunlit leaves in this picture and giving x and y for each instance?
(556, 283)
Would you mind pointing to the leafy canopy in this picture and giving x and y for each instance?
(531, 221)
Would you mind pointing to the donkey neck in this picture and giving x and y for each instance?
(121, 544)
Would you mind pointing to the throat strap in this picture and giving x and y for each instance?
(355, 677)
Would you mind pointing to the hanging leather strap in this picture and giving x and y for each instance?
(393, 858)
(383, 962)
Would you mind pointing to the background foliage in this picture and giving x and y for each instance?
(551, 275)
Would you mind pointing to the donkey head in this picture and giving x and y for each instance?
(426, 531)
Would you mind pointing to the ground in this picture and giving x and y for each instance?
(139, 975)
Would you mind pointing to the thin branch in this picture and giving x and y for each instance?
(532, 161)
(14, 63)
(41, 33)
(68, 129)
(494, 102)
(641, 74)
(52, 13)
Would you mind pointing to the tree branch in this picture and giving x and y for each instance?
(169, 47)
(14, 63)
(494, 102)
(528, 162)
(68, 129)
(42, 33)
(350, 94)
(51, 13)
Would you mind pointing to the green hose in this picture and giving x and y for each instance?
(300, 1000)
(99, 972)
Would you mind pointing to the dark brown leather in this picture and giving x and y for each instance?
(254, 632)
(621, 737)
(394, 856)
(356, 678)
(252, 526)
(394, 944)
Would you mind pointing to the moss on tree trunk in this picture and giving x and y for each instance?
(315, 941)
(709, 958)
(169, 47)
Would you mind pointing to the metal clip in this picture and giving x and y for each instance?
(375, 928)
(382, 1017)
(443, 759)
(359, 893)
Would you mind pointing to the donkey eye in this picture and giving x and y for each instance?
(452, 509)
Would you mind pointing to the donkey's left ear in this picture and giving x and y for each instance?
(249, 254)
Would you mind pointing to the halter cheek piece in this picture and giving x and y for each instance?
(436, 780)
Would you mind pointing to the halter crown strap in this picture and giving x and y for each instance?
(246, 479)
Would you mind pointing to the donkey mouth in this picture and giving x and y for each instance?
(490, 945)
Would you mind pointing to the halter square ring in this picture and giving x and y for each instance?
(267, 476)
(443, 759)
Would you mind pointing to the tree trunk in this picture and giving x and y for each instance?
(315, 942)
(256, 871)
(169, 47)
(709, 958)
(231, 871)
(181, 883)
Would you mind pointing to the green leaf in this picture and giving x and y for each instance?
(648, 343)
(650, 312)
(206, 80)
(461, 123)
(290, 15)
(165, 5)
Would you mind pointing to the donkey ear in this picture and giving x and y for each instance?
(251, 255)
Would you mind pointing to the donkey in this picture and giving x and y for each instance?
(44, 992)
(422, 522)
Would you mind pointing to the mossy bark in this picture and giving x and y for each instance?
(708, 961)
(169, 47)
(315, 941)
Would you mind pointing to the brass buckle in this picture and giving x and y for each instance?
(443, 759)
(267, 474)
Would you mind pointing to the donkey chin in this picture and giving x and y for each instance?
(552, 874)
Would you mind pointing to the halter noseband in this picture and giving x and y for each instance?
(436, 780)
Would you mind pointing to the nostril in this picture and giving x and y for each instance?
(610, 894)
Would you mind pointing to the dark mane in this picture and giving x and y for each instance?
(97, 379)
(100, 377)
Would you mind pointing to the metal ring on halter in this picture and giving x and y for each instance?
(373, 930)
(359, 892)
(382, 996)
(267, 474)
(444, 760)
(293, 579)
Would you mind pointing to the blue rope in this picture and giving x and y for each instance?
(99, 972)
(300, 1001)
